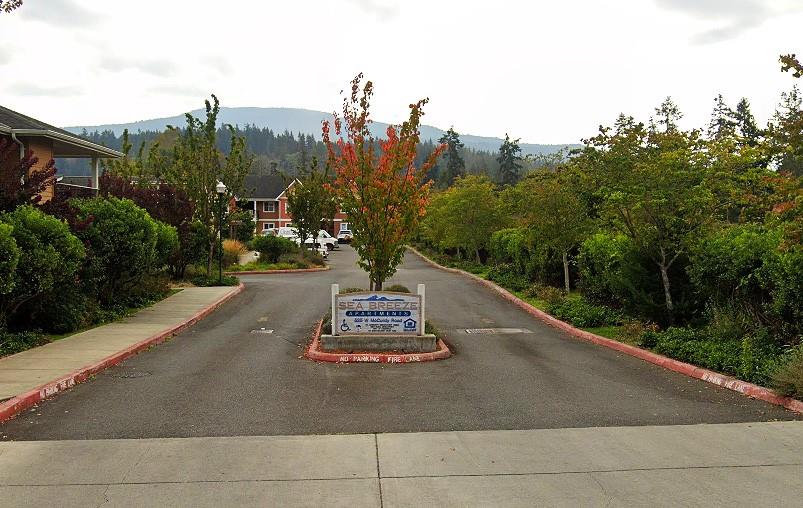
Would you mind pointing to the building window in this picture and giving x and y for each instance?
(344, 226)
(268, 206)
(268, 225)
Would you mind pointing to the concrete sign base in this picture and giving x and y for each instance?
(379, 343)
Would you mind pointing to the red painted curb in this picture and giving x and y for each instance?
(270, 272)
(731, 383)
(15, 405)
(313, 352)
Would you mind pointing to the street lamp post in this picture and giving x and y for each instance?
(221, 192)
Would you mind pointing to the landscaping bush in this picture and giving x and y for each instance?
(398, 288)
(582, 313)
(506, 276)
(204, 281)
(510, 246)
(788, 378)
(49, 256)
(9, 257)
(232, 250)
(271, 247)
(193, 244)
(11, 343)
(550, 294)
(121, 241)
(166, 244)
(345, 291)
(599, 262)
(632, 332)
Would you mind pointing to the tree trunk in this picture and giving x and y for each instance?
(566, 271)
(378, 286)
(477, 252)
(667, 294)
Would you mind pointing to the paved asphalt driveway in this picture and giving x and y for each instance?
(219, 379)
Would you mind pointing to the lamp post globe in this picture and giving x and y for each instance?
(220, 188)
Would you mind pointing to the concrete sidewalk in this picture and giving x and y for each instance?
(741, 464)
(31, 369)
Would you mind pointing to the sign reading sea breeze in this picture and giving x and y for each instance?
(377, 313)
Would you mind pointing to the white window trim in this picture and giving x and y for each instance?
(268, 225)
(272, 206)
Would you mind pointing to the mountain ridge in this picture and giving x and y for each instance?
(305, 121)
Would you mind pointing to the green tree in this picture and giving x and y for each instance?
(653, 186)
(785, 133)
(747, 128)
(455, 165)
(310, 202)
(668, 115)
(554, 215)
(9, 257)
(722, 123)
(509, 160)
(464, 216)
(198, 166)
(377, 182)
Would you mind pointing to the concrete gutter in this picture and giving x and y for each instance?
(687, 369)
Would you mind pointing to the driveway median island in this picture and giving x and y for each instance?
(376, 327)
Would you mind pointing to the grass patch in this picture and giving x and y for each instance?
(609, 332)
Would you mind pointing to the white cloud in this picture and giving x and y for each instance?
(156, 67)
(546, 72)
(60, 13)
(733, 17)
(36, 90)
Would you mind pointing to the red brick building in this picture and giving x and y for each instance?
(266, 195)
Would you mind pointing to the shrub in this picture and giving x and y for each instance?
(241, 225)
(122, 245)
(551, 295)
(788, 379)
(345, 291)
(193, 244)
(398, 288)
(204, 281)
(232, 250)
(599, 261)
(510, 246)
(632, 332)
(49, 256)
(506, 276)
(11, 343)
(166, 244)
(580, 312)
(9, 257)
(271, 247)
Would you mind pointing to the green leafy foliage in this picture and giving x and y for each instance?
(14, 342)
(121, 241)
(166, 244)
(506, 276)
(49, 256)
(271, 247)
(584, 314)
(9, 257)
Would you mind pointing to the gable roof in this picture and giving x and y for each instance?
(263, 186)
(66, 144)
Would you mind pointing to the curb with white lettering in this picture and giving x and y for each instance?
(15, 405)
(314, 352)
(731, 383)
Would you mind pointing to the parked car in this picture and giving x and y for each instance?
(290, 234)
(344, 236)
(270, 232)
(324, 239)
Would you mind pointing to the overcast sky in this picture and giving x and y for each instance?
(547, 72)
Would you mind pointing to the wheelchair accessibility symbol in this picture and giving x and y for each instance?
(344, 327)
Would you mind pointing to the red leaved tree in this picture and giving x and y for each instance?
(20, 182)
(376, 182)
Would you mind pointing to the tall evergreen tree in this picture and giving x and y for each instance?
(723, 124)
(668, 115)
(746, 123)
(509, 159)
(455, 165)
